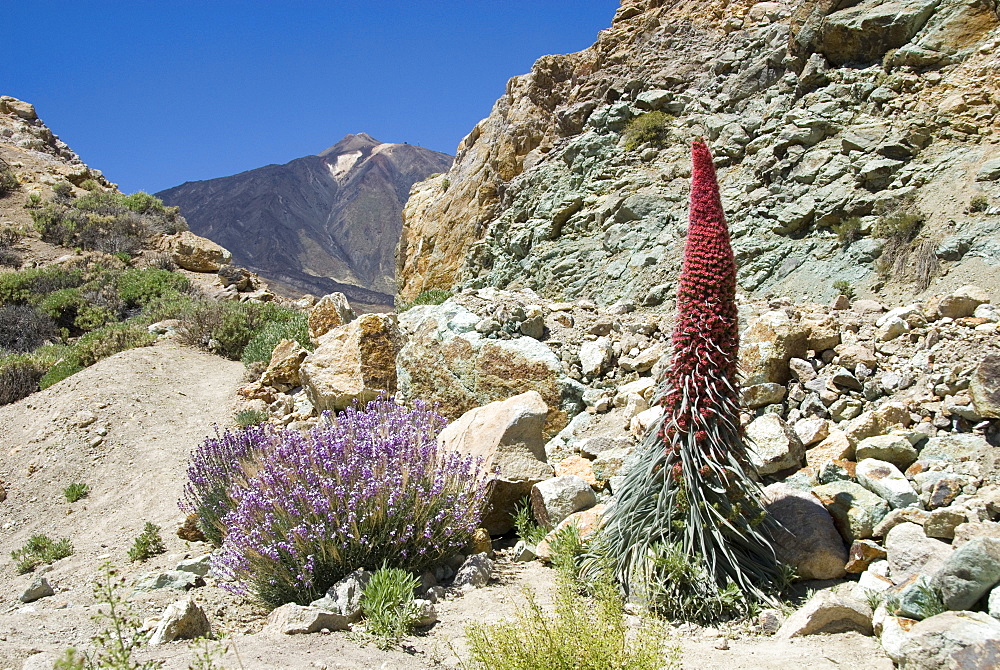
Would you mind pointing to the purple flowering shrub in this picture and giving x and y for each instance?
(218, 465)
(362, 489)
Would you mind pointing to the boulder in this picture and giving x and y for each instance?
(775, 446)
(760, 395)
(969, 573)
(827, 612)
(910, 552)
(595, 355)
(862, 554)
(808, 539)
(356, 362)
(984, 387)
(885, 480)
(898, 516)
(954, 640)
(855, 510)
(963, 302)
(895, 449)
(768, 344)
(344, 597)
(990, 171)
(474, 573)
(178, 580)
(865, 32)
(507, 435)
(834, 447)
(196, 254)
(39, 588)
(852, 355)
(292, 619)
(446, 361)
(811, 431)
(331, 311)
(182, 620)
(955, 448)
(555, 499)
(282, 372)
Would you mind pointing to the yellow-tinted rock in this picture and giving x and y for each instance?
(353, 362)
(283, 371)
(331, 311)
(197, 254)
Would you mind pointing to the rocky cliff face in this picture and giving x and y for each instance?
(855, 142)
(318, 224)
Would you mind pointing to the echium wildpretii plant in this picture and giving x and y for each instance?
(693, 485)
(361, 489)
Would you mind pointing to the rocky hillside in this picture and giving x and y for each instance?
(856, 142)
(318, 224)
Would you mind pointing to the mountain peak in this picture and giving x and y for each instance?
(351, 142)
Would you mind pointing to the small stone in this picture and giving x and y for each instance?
(942, 522)
(892, 448)
(39, 588)
(555, 499)
(962, 302)
(474, 573)
(760, 395)
(292, 619)
(827, 612)
(811, 431)
(200, 565)
(862, 554)
(344, 597)
(523, 552)
(961, 640)
(775, 446)
(898, 516)
(182, 620)
(170, 579)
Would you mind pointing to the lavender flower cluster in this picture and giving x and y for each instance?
(219, 465)
(366, 487)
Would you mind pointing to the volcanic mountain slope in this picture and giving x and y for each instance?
(317, 224)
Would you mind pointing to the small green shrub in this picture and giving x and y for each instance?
(844, 287)
(109, 340)
(388, 605)
(434, 296)
(261, 345)
(525, 525)
(63, 189)
(226, 328)
(90, 185)
(34, 201)
(8, 180)
(19, 376)
(676, 586)
(147, 544)
(139, 287)
(58, 372)
(250, 417)
(76, 491)
(120, 636)
(29, 285)
(648, 128)
(40, 550)
(978, 203)
(848, 231)
(582, 633)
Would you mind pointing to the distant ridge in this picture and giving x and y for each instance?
(317, 224)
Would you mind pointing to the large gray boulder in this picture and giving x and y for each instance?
(969, 573)
(507, 435)
(827, 612)
(910, 552)
(292, 619)
(344, 597)
(807, 540)
(953, 640)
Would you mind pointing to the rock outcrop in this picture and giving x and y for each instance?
(832, 126)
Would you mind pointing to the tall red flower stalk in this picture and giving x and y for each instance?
(691, 485)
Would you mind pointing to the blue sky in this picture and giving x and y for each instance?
(158, 92)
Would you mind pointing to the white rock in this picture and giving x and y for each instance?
(595, 356)
(886, 481)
